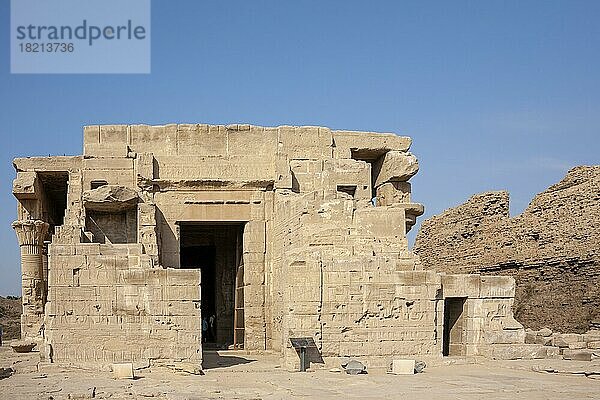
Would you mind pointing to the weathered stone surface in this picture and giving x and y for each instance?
(544, 340)
(577, 355)
(6, 372)
(22, 346)
(24, 185)
(90, 393)
(545, 332)
(565, 340)
(187, 368)
(393, 193)
(110, 198)
(419, 366)
(551, 352)
(367, 144)
(530, 337)
(552, 248)
(516, 351)
(396, 166)
(354, 367)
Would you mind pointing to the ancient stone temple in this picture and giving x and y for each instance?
(261, 235)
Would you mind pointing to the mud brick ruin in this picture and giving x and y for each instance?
(275, 233)
(552, 249)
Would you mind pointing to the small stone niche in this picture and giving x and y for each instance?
(111, 214)
(112, 227)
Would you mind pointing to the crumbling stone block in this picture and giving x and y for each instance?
(577, 355)
(551, 248)
(566, 339)
(396, 166)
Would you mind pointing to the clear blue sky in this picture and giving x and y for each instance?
(496, 94)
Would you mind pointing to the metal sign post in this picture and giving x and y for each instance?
(301, 344)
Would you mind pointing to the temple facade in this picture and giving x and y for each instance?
(160, 241)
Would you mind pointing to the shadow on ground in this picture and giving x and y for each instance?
(212, 359)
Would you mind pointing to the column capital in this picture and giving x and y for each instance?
(30, 232)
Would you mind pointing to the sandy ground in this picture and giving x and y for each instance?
(236, 375)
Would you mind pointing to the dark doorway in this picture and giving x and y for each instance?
(453, 326)
(203, 257)
(374, 158)
(215, 249)
(54, 200)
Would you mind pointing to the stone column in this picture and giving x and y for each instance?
(254, 286)
(31, 234)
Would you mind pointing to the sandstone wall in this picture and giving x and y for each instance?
(107, 294)
(354, 288)
(552, 248)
